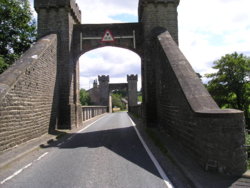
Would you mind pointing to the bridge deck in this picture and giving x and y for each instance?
(107, 154)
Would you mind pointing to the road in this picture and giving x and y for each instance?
(107, 154)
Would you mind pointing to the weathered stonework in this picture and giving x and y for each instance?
(100, 94)
(187, 112)
(28, 96)
(41, 90)
(132, 89)
(56, 16)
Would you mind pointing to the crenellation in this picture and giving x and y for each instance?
(103, 78)
(132, 77)
(68, 5)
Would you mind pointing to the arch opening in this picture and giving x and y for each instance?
(110, 69)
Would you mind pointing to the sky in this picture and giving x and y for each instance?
(207, 31)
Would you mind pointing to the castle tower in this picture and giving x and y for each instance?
(104, 89)
(159, 13)
(132, 89)
(155, 16)
(59, 16)
(95, 84)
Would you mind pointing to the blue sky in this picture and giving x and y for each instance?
(207, 31)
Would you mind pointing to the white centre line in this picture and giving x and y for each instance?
(43, 155)
(156, 163)
(16, 173)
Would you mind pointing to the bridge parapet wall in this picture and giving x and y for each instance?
(186, 111)
(28, 96)
(89, 112)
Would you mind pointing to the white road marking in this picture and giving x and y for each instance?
(43, 155)
(70, 138)
(58, 145)
(90, 125)
(16, 173)
(25, 167)
(156, 163)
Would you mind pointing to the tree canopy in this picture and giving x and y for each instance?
(117, 101)
(17, 30)
(230, 85)
(84, 97)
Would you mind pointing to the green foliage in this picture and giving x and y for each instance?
(3, 65)
(117, 101)
(230, 86)
(17, 30)
(139, 94)
(140, 98)
(84, 97)
(121, 93)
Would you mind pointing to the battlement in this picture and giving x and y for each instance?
(103, 78)
(143, 3)
(69, 4)
(132, 77)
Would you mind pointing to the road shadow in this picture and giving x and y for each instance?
(123, 141)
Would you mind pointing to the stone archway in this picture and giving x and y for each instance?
(74, 39)
(91, 36)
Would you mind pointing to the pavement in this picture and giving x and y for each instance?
(178, 165)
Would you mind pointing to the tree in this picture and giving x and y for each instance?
(17, 30)
(117, 101)
(230, 85)
(3, 65)
(84, 97)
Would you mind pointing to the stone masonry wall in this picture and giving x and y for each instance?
(28, 97)
(214, 137)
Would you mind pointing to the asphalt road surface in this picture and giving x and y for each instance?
(108, 154)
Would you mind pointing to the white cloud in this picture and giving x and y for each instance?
(207, 31)
(211, 29)
(100, 11)
(115, 62)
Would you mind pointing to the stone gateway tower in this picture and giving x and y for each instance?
(155, 17)
(132, 89)
(173, 96)
(59, 17)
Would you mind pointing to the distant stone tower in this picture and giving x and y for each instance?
(59, 16)
(155, 17)
(132, 89)
(95, 84)
(104, 89)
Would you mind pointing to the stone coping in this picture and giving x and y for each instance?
(23, 64)
(196, 94)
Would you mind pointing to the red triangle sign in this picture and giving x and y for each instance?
(108, 37)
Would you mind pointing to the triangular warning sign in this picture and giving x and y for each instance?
(108, 37)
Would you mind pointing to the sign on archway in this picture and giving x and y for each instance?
(108, 37)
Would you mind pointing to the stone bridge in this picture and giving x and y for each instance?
(40, 92)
